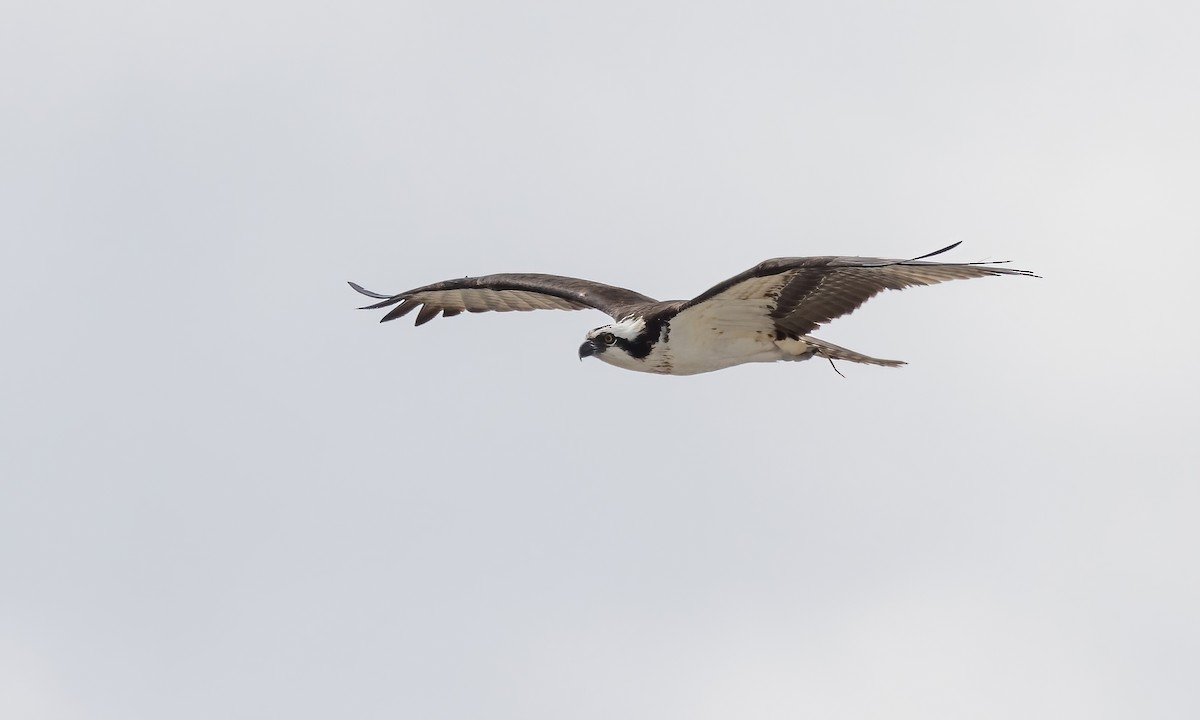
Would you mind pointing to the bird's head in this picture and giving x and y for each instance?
(620, 343)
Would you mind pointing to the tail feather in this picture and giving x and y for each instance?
(836, 352)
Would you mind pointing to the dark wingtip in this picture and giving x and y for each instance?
(384, 300)
(948, 248)
(1005, 271)
(363, 291)
(1000, 271)
(400, 310)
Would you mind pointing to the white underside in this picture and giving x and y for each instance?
(713, 337)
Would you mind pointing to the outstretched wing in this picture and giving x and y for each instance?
(800, 294)
(507, 292)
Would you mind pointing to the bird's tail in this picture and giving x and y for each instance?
(835, 352)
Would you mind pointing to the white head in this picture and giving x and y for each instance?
(628, 344)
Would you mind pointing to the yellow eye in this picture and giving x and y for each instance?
(607, 338)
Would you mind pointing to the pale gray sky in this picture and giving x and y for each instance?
(227, 494)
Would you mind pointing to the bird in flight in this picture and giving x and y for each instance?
(762, 315)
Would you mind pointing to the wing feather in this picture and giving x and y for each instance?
(509, 292)
(800, 293)
(810, 291)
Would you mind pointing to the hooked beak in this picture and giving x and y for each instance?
(588, 349)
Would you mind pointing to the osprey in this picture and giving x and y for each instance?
(762, 315)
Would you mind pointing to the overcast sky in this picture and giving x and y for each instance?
(225, 493)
